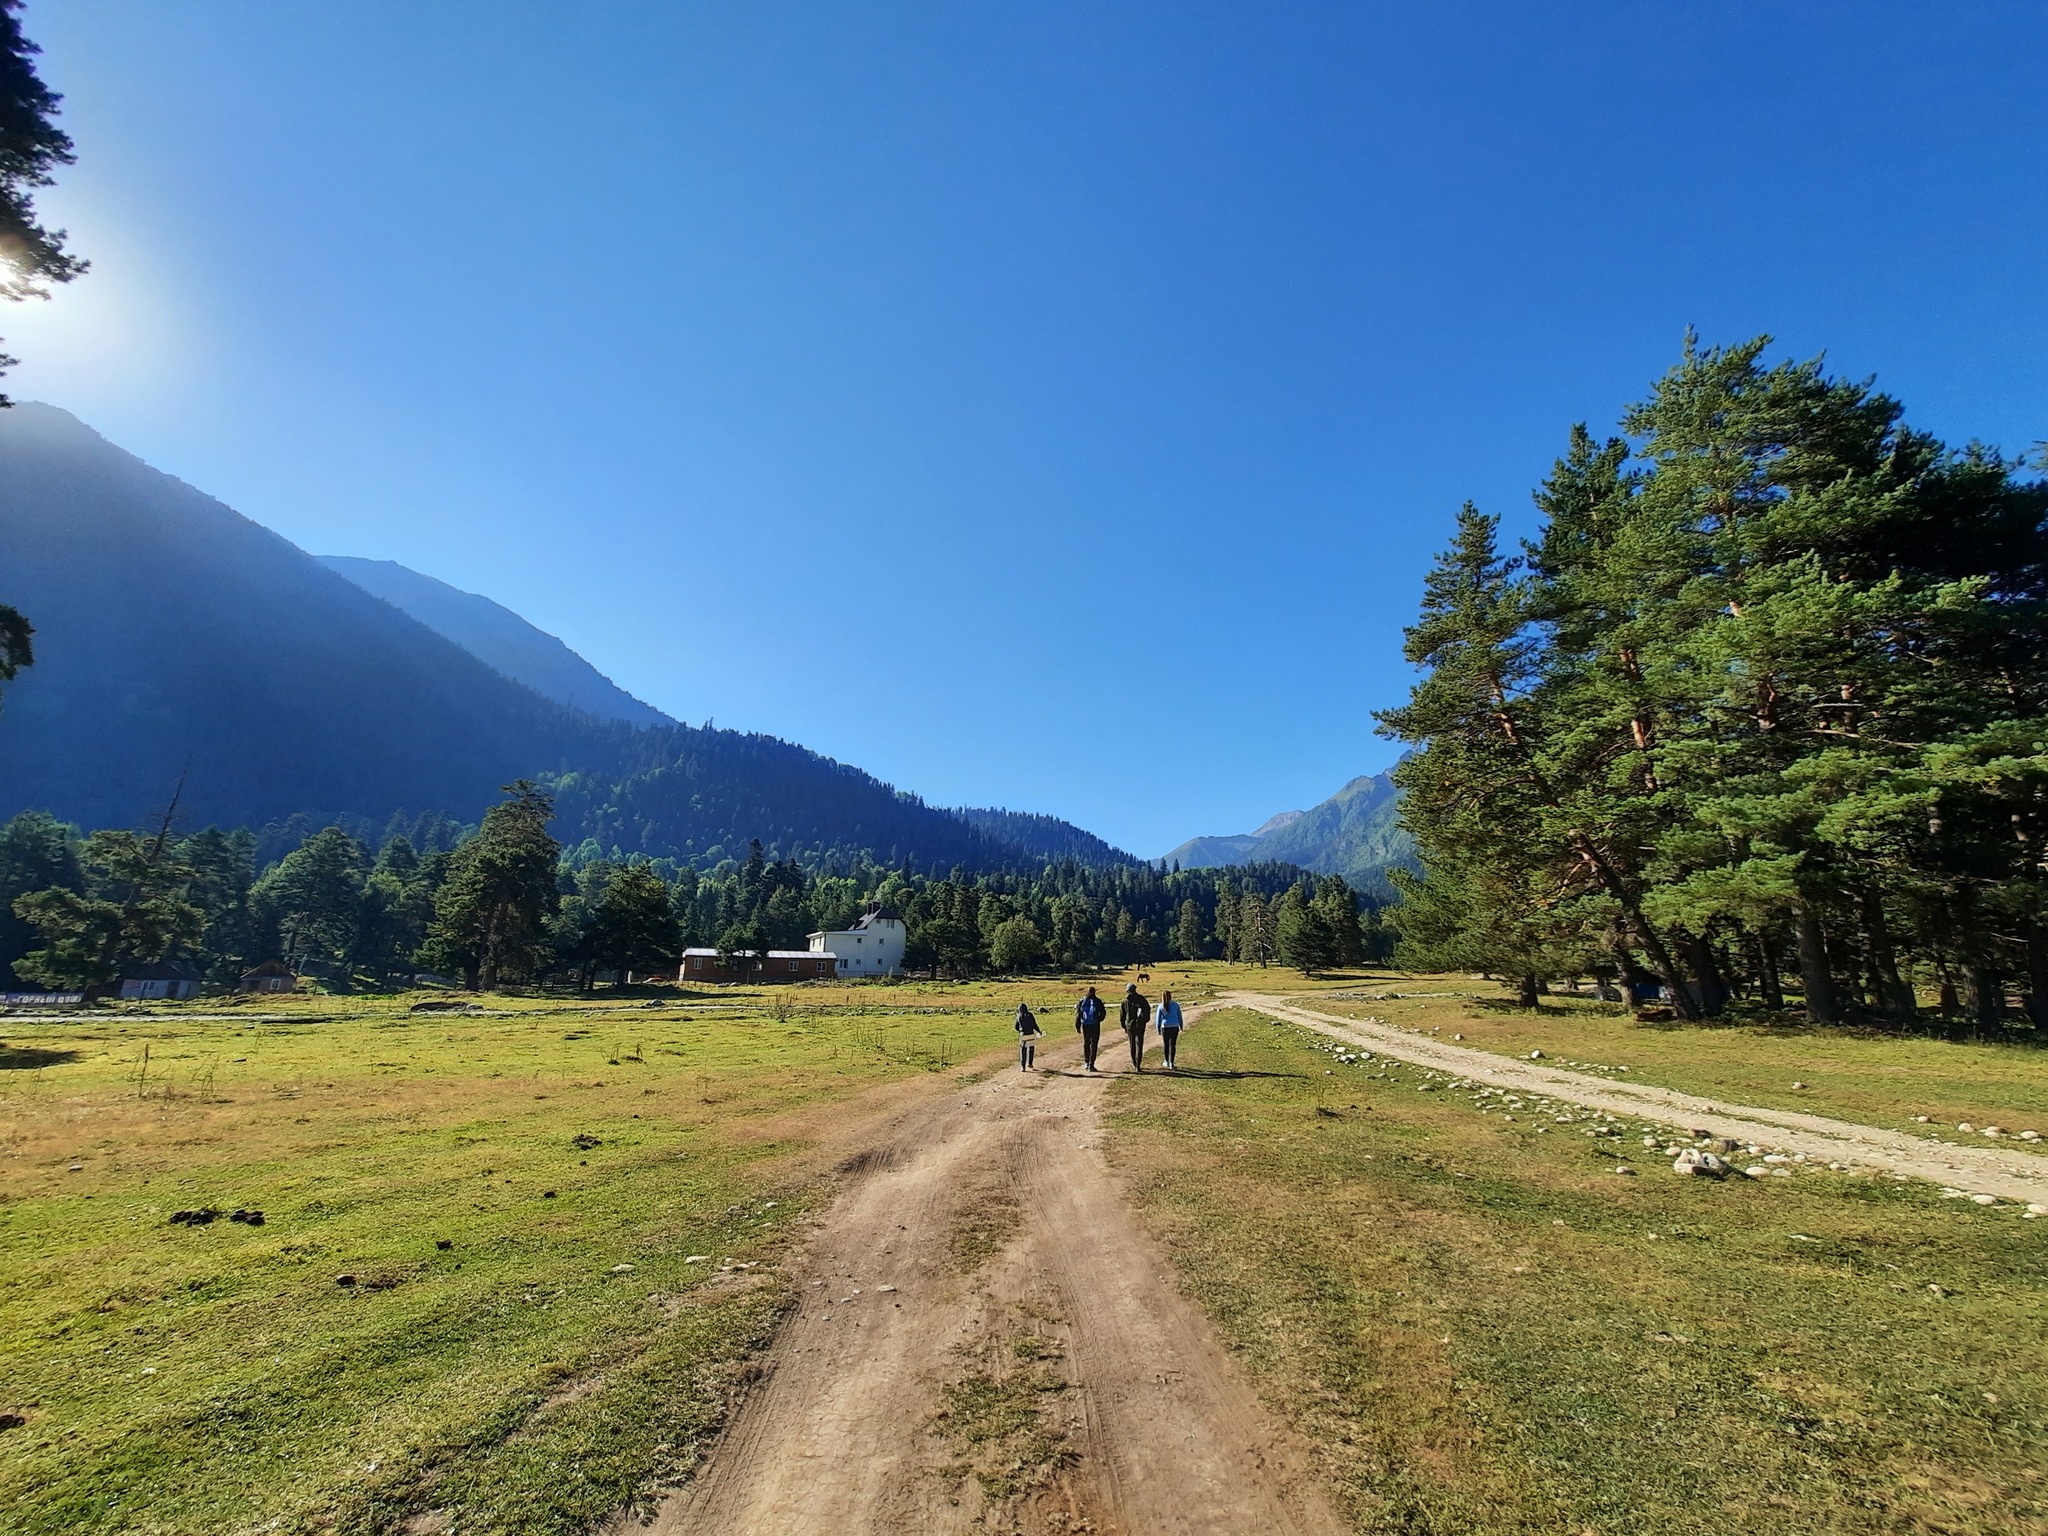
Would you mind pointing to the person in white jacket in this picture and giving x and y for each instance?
(1169, 1022)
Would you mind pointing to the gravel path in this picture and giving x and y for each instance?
(1987, 1170)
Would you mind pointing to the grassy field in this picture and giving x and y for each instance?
(469, 1305)
(470, 1292)
(1870, 1077)
(1483, 1330)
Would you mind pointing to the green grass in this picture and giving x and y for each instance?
(1862, 1075)
(1483, 1329)
(492, 1361)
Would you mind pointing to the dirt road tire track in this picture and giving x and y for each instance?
(2018, 1176)
(1162, 1433)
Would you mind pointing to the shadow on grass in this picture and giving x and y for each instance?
(23, 1058)
(1164, 1075)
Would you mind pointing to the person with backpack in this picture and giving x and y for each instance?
(1134, 1015)
(1088, 1016)
(1169, 1029)
(1028, 1036)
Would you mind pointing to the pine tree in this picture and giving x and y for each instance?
(491, 915)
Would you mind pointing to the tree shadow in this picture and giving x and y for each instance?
(23, 1058)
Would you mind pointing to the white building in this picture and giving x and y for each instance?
(871, 947)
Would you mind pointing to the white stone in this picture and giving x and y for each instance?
(622, 1269)
(1756, 1171)
(2030, 1135)
(1535, 1055)
(698, 1258)
(1983, 1200)
(1700, 1165)
(1994, 1130)
(1776, 1158)
(1966, 1127)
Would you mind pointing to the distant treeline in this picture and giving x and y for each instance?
(504, 901)
(1765, 700)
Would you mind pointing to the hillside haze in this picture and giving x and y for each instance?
(498, 637)
(177, 640)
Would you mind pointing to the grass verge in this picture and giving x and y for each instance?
(1481, 1328)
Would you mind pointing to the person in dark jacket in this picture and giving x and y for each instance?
(1088, 1016)
(1028, 1036)
(1134, 1015)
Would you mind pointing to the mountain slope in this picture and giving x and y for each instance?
(174, 634)
(176, 638)
(498, 637)
(1356, 833)
(1044, 837)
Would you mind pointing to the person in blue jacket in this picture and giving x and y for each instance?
(1088, 1016)
(1168, 1019)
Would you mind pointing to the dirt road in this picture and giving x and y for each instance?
(987, 1340)
(1989, 1170)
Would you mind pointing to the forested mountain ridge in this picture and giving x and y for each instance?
(179, 642)
(176, 638)
(1356, 833)
(499, 637)
(1046, 837)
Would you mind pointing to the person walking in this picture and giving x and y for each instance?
(1134, 1015)
(1169, 1029)
(1088, 1016)
(1028, 1036)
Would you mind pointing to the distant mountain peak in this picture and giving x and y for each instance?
(1356, 833)
(498, 637)
(1276, 821)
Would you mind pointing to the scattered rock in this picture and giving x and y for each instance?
(585, 1142)
(344, 1280)
(1966, 1127)
(2030, 1135)
(76, 1168)
(1798, 1084)
(698, 1258)
(1920, 1119)
(1983, 1200)
(11, 1421)
(1994, 1130)
(1939, 1290)
(1756, 1170)
(622, 1269)
(1696, 1163)
(204, 1216)
(1623, 1168)
(443, 1243)
(1535, 1055)
(547, 1194)
(247, 1218)
(884, 1289)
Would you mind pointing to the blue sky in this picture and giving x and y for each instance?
(1048, 404)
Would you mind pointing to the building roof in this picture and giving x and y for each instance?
(164, 970)
(773, 954)
(268, 968)
(879, 915)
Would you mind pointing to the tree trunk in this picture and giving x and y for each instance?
(1526, 994)
(1893, 997)
(1984, 995)
(1770, 986)
(1710, 987)
(1821, 1004)
(2037, 975)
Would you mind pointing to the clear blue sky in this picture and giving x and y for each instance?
(1045, 404)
